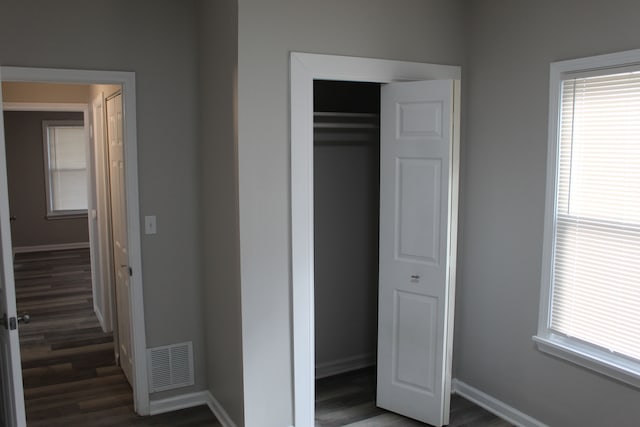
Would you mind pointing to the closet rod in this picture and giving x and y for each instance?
(345, 115)
(340, 125)
(330, 120)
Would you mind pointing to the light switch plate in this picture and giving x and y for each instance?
(150, 224)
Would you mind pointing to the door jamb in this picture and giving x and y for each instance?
(304, 69)
(127, 82)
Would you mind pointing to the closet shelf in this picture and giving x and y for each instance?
(328, 121)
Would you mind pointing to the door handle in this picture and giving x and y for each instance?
(128, 268)
(10, 323)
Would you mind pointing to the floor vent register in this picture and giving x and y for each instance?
(170, 366)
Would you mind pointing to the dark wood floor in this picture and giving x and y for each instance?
(349, 400)
(71, 379)
(68, 367)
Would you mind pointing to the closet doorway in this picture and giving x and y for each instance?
(346, 212)
(346, 170)
(419, 133)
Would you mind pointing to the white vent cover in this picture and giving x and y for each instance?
(170, 366)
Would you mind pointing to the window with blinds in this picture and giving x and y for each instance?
(596, 268)
(65, 168)
(591, 271)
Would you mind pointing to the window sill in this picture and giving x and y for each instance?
(590, 357)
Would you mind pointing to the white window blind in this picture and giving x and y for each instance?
(595, 293)
(66, 168)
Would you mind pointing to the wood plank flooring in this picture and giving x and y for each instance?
(71, 379)
(68, 367)
(349, 400)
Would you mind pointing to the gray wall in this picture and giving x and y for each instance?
(511, 44)
(218, 23)
(157, 40)
(508, 45)
(27, 189)
(346, 256)
(413, 30)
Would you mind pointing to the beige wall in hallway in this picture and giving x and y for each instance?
(45, 92)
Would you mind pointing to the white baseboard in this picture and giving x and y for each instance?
(100, 318)
(175, 403)
(491, 404)
(219, 411)
(44, 248)
(335, 367)
(190, 400)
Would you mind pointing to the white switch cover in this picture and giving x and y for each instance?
(150, 224)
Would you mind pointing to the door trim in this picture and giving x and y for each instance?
(127, 81)
(304, 69)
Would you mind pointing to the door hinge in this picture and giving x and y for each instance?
(9, 323)
(130, 271)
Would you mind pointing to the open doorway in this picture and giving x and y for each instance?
(64, 202)
(109, 112)
(346, 223)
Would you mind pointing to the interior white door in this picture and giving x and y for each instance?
(94, 238)
(122, 270)
(415, 208)
(103, 217)
(12, 402)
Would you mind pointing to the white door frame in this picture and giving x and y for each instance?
(305, 68)
(127, 81)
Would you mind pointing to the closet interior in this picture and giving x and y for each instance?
(346, 218)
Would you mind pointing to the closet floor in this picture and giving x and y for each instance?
(349, 400)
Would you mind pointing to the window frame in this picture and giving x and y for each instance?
(571, 349)
(53, 213)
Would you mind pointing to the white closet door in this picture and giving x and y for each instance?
(415, 210)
